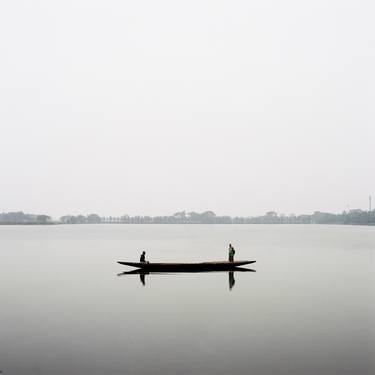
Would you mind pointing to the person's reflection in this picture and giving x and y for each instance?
(142, 276)
(231, 280)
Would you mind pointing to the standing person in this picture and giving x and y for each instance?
(143, 257)
(231, 253)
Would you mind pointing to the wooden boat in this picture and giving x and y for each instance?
(203, 266)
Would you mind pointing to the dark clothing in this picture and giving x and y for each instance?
(231, 253)
(143, 258)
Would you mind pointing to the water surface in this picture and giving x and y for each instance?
(308, 308)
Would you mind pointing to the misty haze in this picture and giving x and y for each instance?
(187, 188)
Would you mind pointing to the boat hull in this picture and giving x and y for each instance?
(203, 266)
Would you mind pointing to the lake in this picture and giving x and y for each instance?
(308, 308)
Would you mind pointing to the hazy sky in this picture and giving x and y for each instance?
(150, 107)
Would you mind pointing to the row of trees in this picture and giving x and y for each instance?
(81, 219)
(347, 217)
(209, 217)
(21, 218)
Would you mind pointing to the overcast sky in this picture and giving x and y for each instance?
(150, 107)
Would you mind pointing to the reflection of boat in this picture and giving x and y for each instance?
(188, 267)
(144, 272)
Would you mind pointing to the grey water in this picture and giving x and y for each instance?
(308, 308)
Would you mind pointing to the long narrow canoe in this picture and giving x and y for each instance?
(203, 266)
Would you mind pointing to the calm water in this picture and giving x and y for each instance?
(308, 308)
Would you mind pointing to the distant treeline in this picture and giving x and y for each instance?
(355, 217)
(21, 218)
(208, 217)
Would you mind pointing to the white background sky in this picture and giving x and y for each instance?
(150, 107)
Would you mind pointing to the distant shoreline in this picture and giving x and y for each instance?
(59, 223)
(351, 217)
